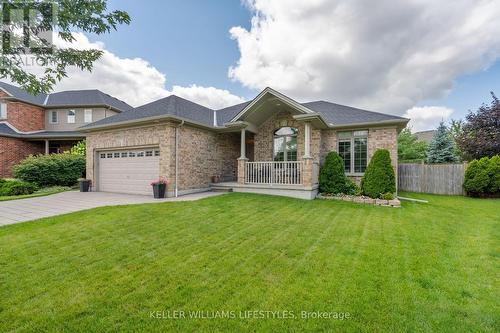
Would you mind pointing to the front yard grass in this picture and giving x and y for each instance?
(419, 268)
(40, 193)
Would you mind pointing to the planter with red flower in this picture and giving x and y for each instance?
(159, 188)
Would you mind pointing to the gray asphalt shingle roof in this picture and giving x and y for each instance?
(332, 113)
(8, 131)
(337, 114)
(67, 98)
(171, 105)
(226, 114)
(22, 94)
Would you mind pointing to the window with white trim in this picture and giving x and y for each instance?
(87, 115)
(285, 144)
(53, 118)
(71, 116)
(353, 148)
(3, 111)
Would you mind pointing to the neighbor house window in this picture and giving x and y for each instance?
(71, 116)
(88, 115)
(53, 117)
(3, 111)
(353, 148)
(285, 144)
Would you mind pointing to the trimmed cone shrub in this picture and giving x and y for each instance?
(482, 177)
(332, 178)
(379, 176)
(51, 170)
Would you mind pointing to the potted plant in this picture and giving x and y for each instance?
(159, 188)
(84, 184)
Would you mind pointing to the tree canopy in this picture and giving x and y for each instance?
(480, 133)
(409, 147)
(30, 25)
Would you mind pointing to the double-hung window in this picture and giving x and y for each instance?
(353, 148)
(53, 117)
(71, 116)
(3, 111)
(87, 115)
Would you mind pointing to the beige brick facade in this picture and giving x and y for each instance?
(263, 140)
(203, 154)
(378, 138)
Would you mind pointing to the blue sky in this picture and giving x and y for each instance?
(190, 42)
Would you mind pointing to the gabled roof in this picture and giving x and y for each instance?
(225, 115)
(330, 114)
(22, 95)
(67, 98)
(172, 105)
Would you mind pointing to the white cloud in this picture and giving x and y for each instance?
(135, 80)
(427, 117)
(208, 96)
(381, 55)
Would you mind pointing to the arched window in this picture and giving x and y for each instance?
(285, 144)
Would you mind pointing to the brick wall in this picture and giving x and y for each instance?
(378, 138)
(161, 135)
(13, 151)
(23, 116)
(202, 153)
(263, 140)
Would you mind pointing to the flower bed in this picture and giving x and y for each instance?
(361, 199)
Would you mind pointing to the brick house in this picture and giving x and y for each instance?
(271, 144)
(47, 123)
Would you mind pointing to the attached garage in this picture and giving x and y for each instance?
(128, 170)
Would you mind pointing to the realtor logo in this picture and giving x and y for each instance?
(27, 27)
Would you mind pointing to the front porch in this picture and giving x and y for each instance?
(293, 191)
(276, 151)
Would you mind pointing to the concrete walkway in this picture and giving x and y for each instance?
(15, 211)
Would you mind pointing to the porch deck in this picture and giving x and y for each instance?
(294, 191)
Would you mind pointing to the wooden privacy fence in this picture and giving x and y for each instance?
(431, 178)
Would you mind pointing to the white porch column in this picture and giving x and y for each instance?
(243, 153)
(307, 140)
(46, 147)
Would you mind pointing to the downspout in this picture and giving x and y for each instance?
(177, 158)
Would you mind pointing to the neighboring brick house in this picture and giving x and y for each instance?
(271, 144)
(47, 123)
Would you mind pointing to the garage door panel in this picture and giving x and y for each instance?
(118, 173)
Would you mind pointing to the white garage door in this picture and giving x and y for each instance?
(128, 171)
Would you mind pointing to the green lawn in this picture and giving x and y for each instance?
(419, 268)
(40, 193)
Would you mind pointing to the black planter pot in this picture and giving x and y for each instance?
(84, 185)
(159, 190)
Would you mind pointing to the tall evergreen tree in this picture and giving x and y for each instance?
(442, 147)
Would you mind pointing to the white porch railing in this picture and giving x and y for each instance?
(279, 173)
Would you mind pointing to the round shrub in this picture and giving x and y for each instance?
(51, 170)
(494, 173)
(16, 187)
(482, 177)
(332, 178)
(379, 176)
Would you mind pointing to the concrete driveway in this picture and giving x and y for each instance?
(23, 210)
